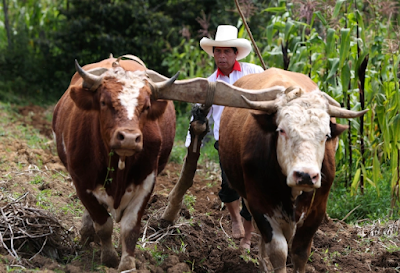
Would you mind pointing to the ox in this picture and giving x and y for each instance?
(114, 134)
(280, 157)
(113, 137)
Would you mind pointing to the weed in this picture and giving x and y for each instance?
(37, 180)
(158, 256)
(334, 254)
(393, 248)
(74, 207)
(43, 199)
(189, 200)
(246, 256)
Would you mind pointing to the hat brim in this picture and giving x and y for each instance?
(243, 46)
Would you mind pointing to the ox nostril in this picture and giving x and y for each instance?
(138, 139)
(315, 177)
(120, 136)
(298, 175)
(303, 178)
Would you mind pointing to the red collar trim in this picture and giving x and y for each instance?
(236, 66)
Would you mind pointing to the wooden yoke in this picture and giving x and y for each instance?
(198, 129)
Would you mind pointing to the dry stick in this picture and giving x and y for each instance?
(40, 250)
(251, 35)
(5, 246)
(220, 224)
(348, 214)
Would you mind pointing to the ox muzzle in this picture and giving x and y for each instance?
(127, 141)
(305, 179)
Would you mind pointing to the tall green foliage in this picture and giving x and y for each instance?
(46, 36)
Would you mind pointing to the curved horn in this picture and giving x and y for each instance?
(132, 57)
(338, 112)
(155, 76)
(90, 81)
(269, 107)
(158, 88)
(330, 100)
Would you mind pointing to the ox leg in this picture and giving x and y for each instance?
(301, 244)
(273, 244)
(197, 131)
(109, 256)
(130, 222)
(87, 231)
(103, 227)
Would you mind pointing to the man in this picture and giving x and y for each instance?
(227, 49)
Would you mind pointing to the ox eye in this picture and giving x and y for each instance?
(281, 131)
(103, 103)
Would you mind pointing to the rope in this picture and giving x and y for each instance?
(210, 94)
(251, 35)
(311, 203)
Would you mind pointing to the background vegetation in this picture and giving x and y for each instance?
(350, 48)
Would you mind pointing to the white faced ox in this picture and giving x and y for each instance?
(280, 157)
(113, 137)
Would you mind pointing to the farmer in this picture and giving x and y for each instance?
(227, 49)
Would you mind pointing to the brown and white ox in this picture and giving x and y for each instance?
(281, 159)
(114, 134)
(113, 137)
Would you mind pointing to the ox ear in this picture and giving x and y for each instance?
(266, 121)
(337, 129)
(83, 97)
(157, 109)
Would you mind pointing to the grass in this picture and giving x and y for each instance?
(207, 152)
(371, 205)
(189, 200)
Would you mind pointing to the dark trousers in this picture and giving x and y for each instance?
(227, 194)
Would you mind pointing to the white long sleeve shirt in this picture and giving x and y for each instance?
(216, 110)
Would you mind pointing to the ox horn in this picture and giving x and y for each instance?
(339, 112)
(156, 77)
(90, 81)
(330, 100)
(133, 58)
(158, 87)
(269, 107)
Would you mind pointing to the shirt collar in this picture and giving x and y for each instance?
(236, 66)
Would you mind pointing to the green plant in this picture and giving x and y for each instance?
(189, 200)
(37, 180)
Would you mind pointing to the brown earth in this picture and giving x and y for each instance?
(200, 241)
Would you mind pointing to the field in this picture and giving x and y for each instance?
(40, 219)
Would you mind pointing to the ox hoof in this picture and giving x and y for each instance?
(109, 258)
(127, 264)
(164, 223)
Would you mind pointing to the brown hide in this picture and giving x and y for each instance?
(87, 126)
(247, 149)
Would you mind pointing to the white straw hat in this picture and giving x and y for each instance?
(226, 36)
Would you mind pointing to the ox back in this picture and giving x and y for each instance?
(114, 139)
(286, 217)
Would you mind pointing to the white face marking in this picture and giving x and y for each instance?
(303, 124)
(132, 83)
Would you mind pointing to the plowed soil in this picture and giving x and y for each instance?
(34, 182)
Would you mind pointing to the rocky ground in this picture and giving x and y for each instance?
(40, 219)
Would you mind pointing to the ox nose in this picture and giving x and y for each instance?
(127, 139)
(303, 178)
